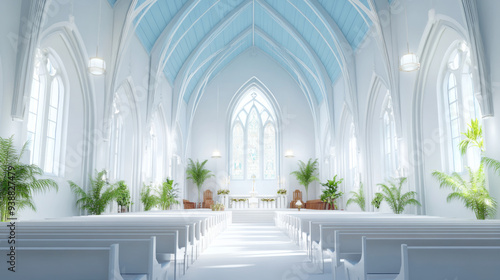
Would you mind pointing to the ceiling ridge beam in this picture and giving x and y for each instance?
(210, 37)
(288, 27)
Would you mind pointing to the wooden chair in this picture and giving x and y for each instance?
(297, 195)
(188, 204)
(208, 200)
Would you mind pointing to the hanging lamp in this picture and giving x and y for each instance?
(409, 62)
(97, 65)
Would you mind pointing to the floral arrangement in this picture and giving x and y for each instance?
(239, 199)
(282, 191)
(218, 207)
(223, 192)
(267, 199)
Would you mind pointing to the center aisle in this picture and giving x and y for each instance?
(253, 251)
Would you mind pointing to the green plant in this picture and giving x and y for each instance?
(123, 194)
(148, 200)
(197, 172)
(473, 137)
(267, 199)
(18, 180)
(282, 191)
(471, 192)
(167, 194)
(307, 174)
(223, 192)
(239, 199)
(218, 207)
(377, 200)
(358, 198)
(100, 194)
(391, 192)
(331, 193)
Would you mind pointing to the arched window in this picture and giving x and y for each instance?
(353, 156)
(253, 138)
(461, 105)
(390, 142)
(45, 114)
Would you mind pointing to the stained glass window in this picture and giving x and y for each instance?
(238, 152)
(269, 152)
(253, 138)
(253, 149)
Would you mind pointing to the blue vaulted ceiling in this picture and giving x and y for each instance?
(206, 35)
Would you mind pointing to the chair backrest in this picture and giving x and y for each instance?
(297, 195)
(207, 195)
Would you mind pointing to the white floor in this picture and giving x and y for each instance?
(253, 251)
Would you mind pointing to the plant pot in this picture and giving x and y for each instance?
(122, 209)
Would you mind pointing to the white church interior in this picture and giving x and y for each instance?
(249, 139)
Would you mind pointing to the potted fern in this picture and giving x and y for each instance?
(19, 180)
(331, 193)
(391, 193)
(307, 174)
(123, 197)
(197, 173)
(100, 194)
(358, 198)
(148, 199)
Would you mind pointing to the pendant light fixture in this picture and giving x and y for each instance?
(409, 62)
(216, 153)
(97, 65)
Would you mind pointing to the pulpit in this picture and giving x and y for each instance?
(297, 195)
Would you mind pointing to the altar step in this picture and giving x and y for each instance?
(253, 215)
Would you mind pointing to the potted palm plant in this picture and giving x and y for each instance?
(19, 181)
(331, 193)
(197, 173)
(358, 198)
(123, 197)
(100, 194)
(391, 193)
(148, 199)
(307, 174)
(167, 194)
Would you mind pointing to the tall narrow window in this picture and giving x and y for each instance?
(269, 152)
(116, 146)
(238, 152)
(390, 140)
(353, 156)
(45, 114)
(253, 138)
(461, 104)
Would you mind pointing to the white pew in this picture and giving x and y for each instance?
(329, 237)
(170, 245)
(382, 256)
(137, 256)
(457, 262)
(75, 263)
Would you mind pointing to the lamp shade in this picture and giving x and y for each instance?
(216, 154)
(289, 154)
(97, 66)
(409, 62)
